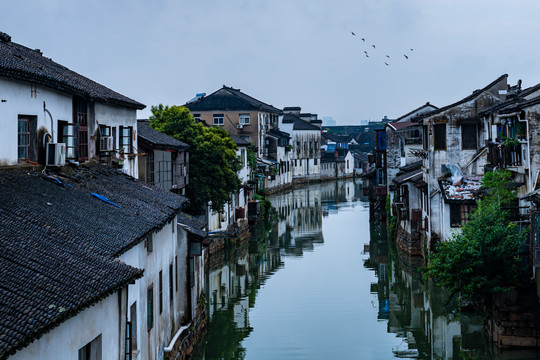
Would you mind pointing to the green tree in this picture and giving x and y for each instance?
(486, 257)
(213, 163)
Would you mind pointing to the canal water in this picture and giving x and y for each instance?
(319, 281)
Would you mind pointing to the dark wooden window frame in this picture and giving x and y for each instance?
(150, 307)
(439, 136)
(126, 138)
(80, 117)
(469, 136)
(160, 291)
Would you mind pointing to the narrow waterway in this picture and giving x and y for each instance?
(321, 282)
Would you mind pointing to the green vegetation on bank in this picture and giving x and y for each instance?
(213, 163)
(486, 257)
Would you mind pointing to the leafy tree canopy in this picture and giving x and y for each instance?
(212, 156)
(486, 257)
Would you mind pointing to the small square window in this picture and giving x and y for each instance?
(244, 119)
(219, 119)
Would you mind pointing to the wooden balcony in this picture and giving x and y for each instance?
(503, 156)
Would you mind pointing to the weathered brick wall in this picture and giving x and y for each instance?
(514, 320)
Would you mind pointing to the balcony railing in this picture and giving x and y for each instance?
(504, 156)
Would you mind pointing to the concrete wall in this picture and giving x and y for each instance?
(64, 341)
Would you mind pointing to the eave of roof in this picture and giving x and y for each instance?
(21, 63)
(230, 99)
(474, 95)
(415, 110)
(157, 138)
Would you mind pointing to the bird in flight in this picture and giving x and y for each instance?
(386, 64)
(364, 40)
(406, 57)
(353, 33)
(367, 55)
(412, 49)
(373, 46)
(388, 56)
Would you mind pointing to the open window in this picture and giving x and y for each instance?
(439, 141)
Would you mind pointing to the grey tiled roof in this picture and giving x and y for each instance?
(59, 243)
(21, 63)
(239, 141)
(230, 99)
(299, 124)
(157, 138)
(192, 224)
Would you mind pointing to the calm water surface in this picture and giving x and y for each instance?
(321, 282)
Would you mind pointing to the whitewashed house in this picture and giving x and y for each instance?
(305, 130)
(44, 102)
(455, 143)
(234, 212)
(83, 260)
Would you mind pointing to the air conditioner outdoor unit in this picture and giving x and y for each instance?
(56, 154)
(239, 126)
(106, 143)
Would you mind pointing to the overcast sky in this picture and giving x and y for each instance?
(288, 52)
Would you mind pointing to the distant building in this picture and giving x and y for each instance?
(238, 113)
(328, 121)
(305, 129)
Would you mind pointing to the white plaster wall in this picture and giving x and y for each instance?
(243, 174)
(350, 160)
(166, 245)
(19, 101)
(64, 341)
(116, 116)
(282, 178)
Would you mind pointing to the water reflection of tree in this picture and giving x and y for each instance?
(421, 315)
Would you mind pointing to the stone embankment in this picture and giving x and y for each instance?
(514, 320)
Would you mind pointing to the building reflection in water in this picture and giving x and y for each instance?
(234, 280)
(416, 313)
(428, 323)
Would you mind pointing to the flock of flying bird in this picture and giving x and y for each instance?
(388, 56)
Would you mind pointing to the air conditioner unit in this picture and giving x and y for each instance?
(56, 154)
(240, 126)
(105, 143)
